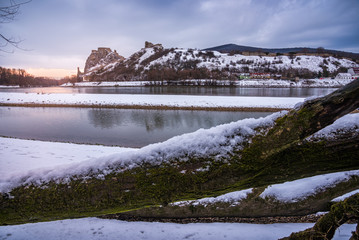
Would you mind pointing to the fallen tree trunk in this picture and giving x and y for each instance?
(277, 154)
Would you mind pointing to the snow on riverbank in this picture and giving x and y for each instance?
(149, 100)
(22, 156)
(105, 229)
(301, 83)
(9, 86)
(106, 84)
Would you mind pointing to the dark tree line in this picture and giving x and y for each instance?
(23, 79)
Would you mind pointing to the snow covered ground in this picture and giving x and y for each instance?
(150, 100)
(6, 86)
(94, 228)
(326, 82)
(106, 84)
(19, 156)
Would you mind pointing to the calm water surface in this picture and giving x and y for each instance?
(122, 127)
(184, 90)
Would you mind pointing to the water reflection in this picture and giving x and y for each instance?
(184, 90)
(123, 127)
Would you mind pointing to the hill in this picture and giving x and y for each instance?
(234, 48)
(155, 63)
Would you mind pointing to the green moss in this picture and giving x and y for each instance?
(326, 226)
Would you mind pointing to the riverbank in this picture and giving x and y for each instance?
(269, 83)
(144, 101)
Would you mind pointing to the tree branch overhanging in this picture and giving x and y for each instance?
(8, 14)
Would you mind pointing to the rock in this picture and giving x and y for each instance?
(151, 45)
(102, 56)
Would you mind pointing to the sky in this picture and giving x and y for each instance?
(57, 36)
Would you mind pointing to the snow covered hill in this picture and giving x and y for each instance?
(157, 63)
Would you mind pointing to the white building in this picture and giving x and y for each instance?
(352, 73)
(344, 76)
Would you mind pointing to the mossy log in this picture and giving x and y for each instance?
(326, 226)
(300, 123)
(277, 154)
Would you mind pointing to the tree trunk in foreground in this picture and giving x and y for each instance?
(280, 154)
(326, 226)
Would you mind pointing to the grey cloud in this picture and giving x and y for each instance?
(61, 28)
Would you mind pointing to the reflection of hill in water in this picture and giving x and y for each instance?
(104, 118)
(160, 119)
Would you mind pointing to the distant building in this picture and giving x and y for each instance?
(352, 73)
(344, 76)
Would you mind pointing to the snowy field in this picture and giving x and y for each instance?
(107, 84)
(150, 100)
(93, 228)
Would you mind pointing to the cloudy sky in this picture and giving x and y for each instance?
(60, 34)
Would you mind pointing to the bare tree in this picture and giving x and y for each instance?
(8, 12)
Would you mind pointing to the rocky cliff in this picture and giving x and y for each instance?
(100, 59)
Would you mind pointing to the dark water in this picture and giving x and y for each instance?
(184, 90)
(122, 127)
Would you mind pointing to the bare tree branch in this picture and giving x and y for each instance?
(7, 14)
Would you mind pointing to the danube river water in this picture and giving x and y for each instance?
(122, 127)
(128, 127)
(183, 90)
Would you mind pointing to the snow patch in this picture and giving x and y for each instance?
(345, 124)
(233, 197)
(345, 196)
(300, 189)
(150, 100)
